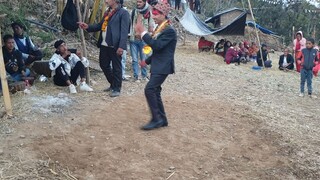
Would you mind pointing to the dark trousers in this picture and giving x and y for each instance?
(114, 75)
(61, 77)
(291, 66)
(153, 95)
(37, 56)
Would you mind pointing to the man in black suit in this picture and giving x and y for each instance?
(163, 43)
(114, 29)
(286, 61)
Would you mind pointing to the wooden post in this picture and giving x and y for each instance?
(94, 11)
(257, 34)
(60, 6)
(4, 83)
(85, 13)
(83, 42)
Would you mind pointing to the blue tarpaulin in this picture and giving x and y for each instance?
(262, 29)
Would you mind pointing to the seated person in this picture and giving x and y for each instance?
(219, 47)
(232, 55)
(30, 52)
(243, 53)
(264, 55)
(13, 60)
(253, 50)
(67, 67)
(227, 45)
(205, 45)
(286, 60)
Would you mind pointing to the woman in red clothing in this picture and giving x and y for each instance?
(298, 44)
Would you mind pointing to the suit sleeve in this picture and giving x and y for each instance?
(95, 27)
(162, 41)
(291, 60)
(124, 28)
(280, 61)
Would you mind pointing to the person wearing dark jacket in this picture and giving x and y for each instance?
(286, 61)
(13, 59)
(264, 55)
(307, 60)
(163, 43)
(114, 29)
(24, 44)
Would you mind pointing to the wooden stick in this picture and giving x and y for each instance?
(4, 83)
(171, 175)
(83, 42)
(257, 34)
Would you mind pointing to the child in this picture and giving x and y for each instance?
(307, 60)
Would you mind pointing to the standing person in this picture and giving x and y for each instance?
(24, 44)
(299, 43)
(163, 43)
(67, 67)
(307, 60)
(286, 60)
(112, 42)
(141, 14)
(177, 4)
(13, 59)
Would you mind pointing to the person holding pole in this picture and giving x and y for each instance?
(299, 43)
(162, 43)
(112, 42)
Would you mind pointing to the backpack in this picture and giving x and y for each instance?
(69, 17)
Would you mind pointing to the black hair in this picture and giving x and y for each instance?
(7, 37)
(17, 24)
(311, 40)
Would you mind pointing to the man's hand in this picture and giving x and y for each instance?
(32, 57)
(83, 25)
(119, 51)
(23, 73)
(15, 68)
(143, 64)
(139, 28)
(78, 53)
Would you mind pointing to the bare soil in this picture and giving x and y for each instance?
(225, 122)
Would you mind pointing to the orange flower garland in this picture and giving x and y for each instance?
(107, 18)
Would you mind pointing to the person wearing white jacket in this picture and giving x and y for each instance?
(67, 67)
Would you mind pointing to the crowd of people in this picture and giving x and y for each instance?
(152, 41)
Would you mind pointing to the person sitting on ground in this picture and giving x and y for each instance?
(205, 45)
(264, 55)
(227, 45)
(253, 50)
(243, 53)
(286, 61)
(67, 67)
(220, 47)
(24, 44)
(232, 55)
(13, 59)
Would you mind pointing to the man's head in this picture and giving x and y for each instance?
(310, 43)
(17, 28)
(112, 3)
(8, 42)
(141, 4)
(61, 46)
(160, 12)
(264, 47)
(286, 51)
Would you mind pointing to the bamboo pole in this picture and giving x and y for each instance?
(83, 42)
(257, 34)
(85, 13)
(60, 6)
(4, 83)
(94, 11)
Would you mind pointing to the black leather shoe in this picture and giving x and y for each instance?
(115, 94)
(108, 89)
(165, 123)
(153, 125)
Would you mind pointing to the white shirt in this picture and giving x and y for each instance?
(104, 35)
(285, 62)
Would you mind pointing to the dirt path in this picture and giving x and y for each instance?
(225, 122)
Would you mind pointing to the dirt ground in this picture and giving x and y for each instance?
(225, 122)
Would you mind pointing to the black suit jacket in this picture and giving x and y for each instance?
(290, 60)
(117, 30)
(163, 48)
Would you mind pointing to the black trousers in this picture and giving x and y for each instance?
(291, 66)
(61, 77)
(153, 95)
(114, 75)
(37, 56)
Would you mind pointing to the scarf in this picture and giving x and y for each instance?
(109, 13)
(144, 11)
(160, 28)
(298, 45)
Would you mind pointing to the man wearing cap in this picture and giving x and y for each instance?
(114, 29)
(30, 52)
(67, 67)
(163, 43)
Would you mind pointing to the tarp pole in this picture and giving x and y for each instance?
(83, 42)
(257, 34)
(4, 82)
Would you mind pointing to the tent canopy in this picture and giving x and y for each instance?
(195, 26)
(262, 29)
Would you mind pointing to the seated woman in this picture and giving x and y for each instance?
(13, 60)
(232, 55)
(67, 67)
(253, 51)
(219, 47)
(205, 45)
(286, 60)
